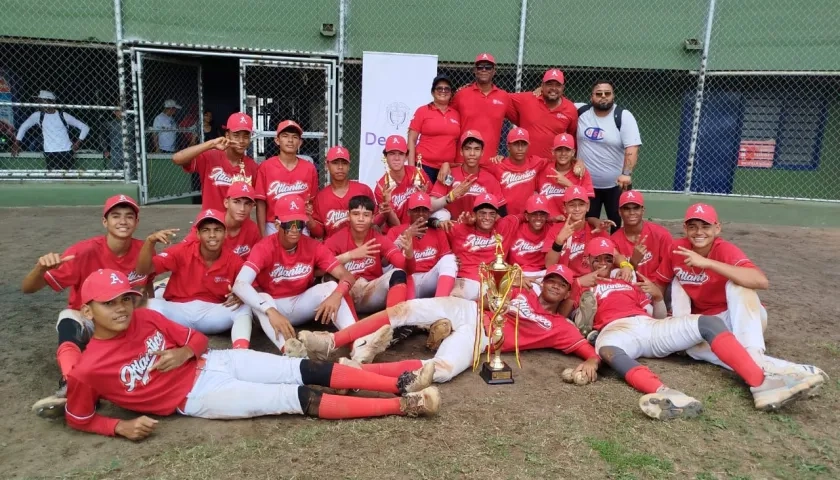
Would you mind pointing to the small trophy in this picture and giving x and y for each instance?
(388, 181)
(241, 177)
(418, 173)
(497, 280)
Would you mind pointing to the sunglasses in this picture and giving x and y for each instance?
(485, 67)
(296, 224)
(602, 94)
(443, 89)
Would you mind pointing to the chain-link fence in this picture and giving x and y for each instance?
(731, 98)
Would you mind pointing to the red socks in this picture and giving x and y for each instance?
(67, 355)
(361, 328)
(732, 353)
(445, 286)
(392, 369)
(396, 294)
(337, 407)
(241, 344)
(643, 380)
(344, 377)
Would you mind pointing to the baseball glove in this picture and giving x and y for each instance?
(438, 332)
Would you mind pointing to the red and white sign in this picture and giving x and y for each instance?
(757, 153)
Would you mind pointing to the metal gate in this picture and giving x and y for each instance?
(164, 81)
(288, 88)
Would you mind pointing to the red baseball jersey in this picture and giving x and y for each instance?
(548, 186)
(332, 211)
(705, 288)
(274, 180)
(615, 299)
(91, 255)
(216, 174)
(282, 274)
(572, 255)
(439, 132)
(658, 243)
(120, 370)
(485, 183)
(518, 182)
(240, 244)
(404, 189)
(531, 113)
(367, 268)
(472, 247)
(526, 249)
(191, 278)
(428, 249)
(484, 113)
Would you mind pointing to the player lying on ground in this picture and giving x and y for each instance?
(116, 250)
(540, 326)
(199, 291)
(628, 331)
(141, 361)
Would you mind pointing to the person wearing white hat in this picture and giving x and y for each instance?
(55, 126)
(165, 127)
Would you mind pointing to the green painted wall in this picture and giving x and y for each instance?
(86, 20)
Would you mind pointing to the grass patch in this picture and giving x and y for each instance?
(624, 463)
(832, 348)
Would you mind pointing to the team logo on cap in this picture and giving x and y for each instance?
(420, 197)
(520, 132)
(339, 151)
(699, 209)
(488, 198)
(245, 188)
(631, 195)
(293, 205)
(563, 138)
(538, 201)
(208, 213)
(554, 73)
(576, 190)
(115, 279)
(242, 119)
(485, 57)
(395, 140)
(604, 244)
(123, 199)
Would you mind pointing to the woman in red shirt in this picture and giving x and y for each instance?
(438, 126)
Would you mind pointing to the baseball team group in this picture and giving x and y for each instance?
(375, 266)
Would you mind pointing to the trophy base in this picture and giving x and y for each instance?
(501, 376)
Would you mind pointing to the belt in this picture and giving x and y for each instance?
(199, 367)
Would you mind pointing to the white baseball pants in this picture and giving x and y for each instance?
(425, 284)
(643, 336)
(370, 296)
(206, 317)
(466, 289)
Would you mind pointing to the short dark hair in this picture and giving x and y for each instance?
(603, 82)
(362, 201)
(472, 140)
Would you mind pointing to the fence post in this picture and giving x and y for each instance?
(118, 34)
(520, 54)
(342, 46)
(698, 101)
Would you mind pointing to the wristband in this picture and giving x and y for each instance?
(450, 197)
(343, 287)
(627, 172)
(626, 264)
(557, 247)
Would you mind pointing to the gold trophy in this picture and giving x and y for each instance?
(418, 173)
(497, 281)
(388, 181)
(241, 177)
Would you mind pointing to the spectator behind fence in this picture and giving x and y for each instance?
(438, 125)
(112, 144)
(608, 143)
(59, 150)
(165, 139)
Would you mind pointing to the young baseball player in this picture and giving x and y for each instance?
(241, 233)
(116, 250)
(435, 268)
(391, 197)
(517, 173)
(331, 205)
(363, 252)
(285, 174)
(644, 243)
(529, 239)
(571, 236)
(628, 330)
(221, 161)
(283, 265)
(566, 171)
(711, 276)
(198, 293)
(141, 361)
(540, 326)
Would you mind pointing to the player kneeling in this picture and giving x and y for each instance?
(628, 331)
(140, 361)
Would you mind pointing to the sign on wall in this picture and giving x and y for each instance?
(757, 153)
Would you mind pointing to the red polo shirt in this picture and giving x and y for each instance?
(531, 113)
(485, 113)
(191, 278)
(439, 132)
(518, 182)
(216, 173)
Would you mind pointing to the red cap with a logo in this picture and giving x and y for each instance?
(537, 203)
(474, 134)
(701, 211)
(575, 193)
(239, 122)
(562, 270)
(600, 246)
(518, 134)
(631, 196)
(338, 153)
(564, 140)
(289, 208)
(105, 285)
(487, 199)
(396, 143)
(209, 214)
(554, 74)
(240, 190)
(419, 200)
(289, 124)
(485, 57)
(120, 200)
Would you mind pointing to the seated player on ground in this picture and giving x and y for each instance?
(628, 330)
(393, 189)
(199, 292)
(241, 233)
(564, 172)
(116, 250)
(141, 361)
(283, 265)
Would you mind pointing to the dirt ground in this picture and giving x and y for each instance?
(537, 428)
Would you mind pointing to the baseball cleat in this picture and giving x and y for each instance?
(295, 348)
(591, 337)
(809, 372)
(52, 407)
(585, 315)
(318, 345)
(669, 404)
(779, 390)
(401, 333)
(410, 382)
(424, 403)
(438, 332)
(365, 349)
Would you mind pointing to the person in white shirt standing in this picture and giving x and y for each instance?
(55, 126)
(165, 137)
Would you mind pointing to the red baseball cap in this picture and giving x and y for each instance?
(575, 193)
(631, 196)
(518, 134)
(209, 214)
(487, 199)
(290, 207)
(485, 57)
(600, 246)
(120, 200)
(105, 285)
(701, 211)
(418, 200)
(554, 74)
(475, 134)
(240, 190)
(338, 153)
(289, 124)
(562, 270)
(538, 203)
(239, 122)
(396, 143)
(563, 140)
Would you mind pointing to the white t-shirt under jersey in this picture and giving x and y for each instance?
(56, 136)
(601, 145)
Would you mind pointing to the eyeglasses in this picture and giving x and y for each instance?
(485, 67)
(443, 89)
(602, 94)
(296, 224)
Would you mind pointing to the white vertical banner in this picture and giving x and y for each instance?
(393, 86)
